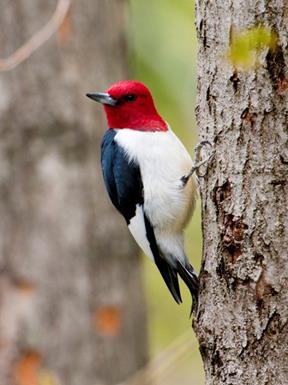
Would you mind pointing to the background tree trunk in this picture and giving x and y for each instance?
(71, 296)
(242, 321)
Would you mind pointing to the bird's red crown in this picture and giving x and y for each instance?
(134, 108)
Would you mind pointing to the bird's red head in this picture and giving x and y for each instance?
(129, 104)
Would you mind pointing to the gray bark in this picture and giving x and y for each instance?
(71, 299)
(242, 321)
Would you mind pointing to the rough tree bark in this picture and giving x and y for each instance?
(242, 321)
(71, 299)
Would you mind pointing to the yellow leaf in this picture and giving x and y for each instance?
(46, 377)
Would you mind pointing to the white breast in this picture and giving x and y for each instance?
(163, 160)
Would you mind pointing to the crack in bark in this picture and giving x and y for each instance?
(276, 67)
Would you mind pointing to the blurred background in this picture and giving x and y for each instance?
(77, 306)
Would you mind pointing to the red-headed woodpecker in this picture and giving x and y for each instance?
(147, 175)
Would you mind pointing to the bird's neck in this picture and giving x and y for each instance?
(139, 123)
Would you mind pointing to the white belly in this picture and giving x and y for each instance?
(163, 160)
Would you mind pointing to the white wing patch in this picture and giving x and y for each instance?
(138, 230)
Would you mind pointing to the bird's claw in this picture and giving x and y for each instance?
(198, 162)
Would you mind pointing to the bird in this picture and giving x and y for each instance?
(148, 177)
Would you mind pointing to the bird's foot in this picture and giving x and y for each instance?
(198, 157)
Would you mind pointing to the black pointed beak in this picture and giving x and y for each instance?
(103, 98)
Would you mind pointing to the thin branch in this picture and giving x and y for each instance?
(38, 39)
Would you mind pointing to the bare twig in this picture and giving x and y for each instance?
(38, 39)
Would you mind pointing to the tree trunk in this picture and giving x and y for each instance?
(71, 300)
(242, 320)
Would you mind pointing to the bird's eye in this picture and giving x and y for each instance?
(130, 98)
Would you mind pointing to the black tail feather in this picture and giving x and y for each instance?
(170, 277)
(187, 273)
(168, 273)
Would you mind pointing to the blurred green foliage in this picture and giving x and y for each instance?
(163, 50)
(246, 46)
(163, 56)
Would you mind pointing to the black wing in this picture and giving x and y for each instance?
(122, 178)
(124, 185)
